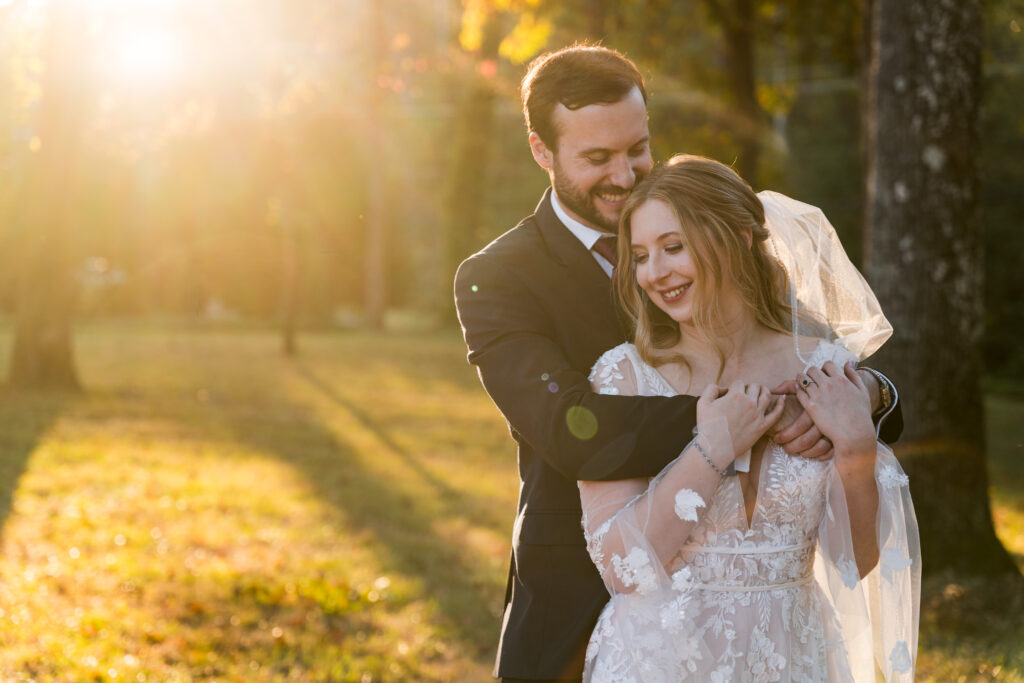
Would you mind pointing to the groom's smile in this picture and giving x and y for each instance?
(602, 152)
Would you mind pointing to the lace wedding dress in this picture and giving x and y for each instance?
(777, 597)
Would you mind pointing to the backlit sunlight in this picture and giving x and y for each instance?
(145, 56)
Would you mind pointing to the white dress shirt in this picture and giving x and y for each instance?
(585, 234)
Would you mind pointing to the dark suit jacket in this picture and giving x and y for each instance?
(536, 311)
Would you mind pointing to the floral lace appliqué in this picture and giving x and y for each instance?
(606, 371)
(890, 477)
(635, 570)
(900, 658)
(687, 502)
(848, 571)
(893, 560)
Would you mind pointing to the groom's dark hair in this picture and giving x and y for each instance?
(575, 77)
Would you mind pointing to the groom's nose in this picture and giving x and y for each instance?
(623, 174)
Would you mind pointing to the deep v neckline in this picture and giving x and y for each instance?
(749, 513)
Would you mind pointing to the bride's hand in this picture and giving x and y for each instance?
(840, 405)
(749, 410)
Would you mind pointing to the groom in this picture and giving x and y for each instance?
(536, 311)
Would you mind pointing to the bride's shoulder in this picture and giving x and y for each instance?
(809, 345)
(616, 355)
(817, 351)
(795, 354)
(614, 372)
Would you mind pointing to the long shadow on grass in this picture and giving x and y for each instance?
(403, 533)
(455, 501)
(23, 420)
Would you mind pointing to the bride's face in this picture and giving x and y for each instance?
(665, 268)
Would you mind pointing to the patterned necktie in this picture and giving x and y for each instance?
(606, 247)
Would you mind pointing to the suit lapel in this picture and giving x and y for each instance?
(566, 249)
(585, 274)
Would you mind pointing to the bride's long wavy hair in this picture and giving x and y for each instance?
(716, 210)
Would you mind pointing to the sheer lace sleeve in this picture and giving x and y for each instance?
(634, 527)
(633, 530)
(878, 615)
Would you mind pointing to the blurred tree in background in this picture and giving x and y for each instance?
(1002, 176)
(44, 230)
(924, 246)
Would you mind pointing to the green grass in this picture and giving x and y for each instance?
(974, 631)
(211, 511)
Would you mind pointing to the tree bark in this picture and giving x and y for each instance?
(42, 356)
(924, 258)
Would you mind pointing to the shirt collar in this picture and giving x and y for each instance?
(584, 233)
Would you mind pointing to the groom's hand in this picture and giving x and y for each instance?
(797, 433)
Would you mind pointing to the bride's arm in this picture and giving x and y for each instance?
(839, 403)
(868, 517)
(631, 526)
(634, 529)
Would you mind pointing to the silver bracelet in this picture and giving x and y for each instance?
(729, 471)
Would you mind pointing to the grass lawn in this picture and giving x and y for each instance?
(211, 511)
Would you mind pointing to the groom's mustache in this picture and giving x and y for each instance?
(615, 189)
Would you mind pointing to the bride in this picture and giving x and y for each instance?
(738, 562)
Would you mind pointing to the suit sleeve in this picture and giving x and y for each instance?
(548, 402)
(891, 426)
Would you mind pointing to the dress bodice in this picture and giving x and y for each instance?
(777, 548)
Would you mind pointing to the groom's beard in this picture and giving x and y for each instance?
(581, 202)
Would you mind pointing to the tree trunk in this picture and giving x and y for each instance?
(291, 272)
(737, 19)
(42, 356)
(923, 251)
(375, 292)
(596, 16)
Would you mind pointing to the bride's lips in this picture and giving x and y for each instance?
(674, 294)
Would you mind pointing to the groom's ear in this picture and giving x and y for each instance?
(541, 153)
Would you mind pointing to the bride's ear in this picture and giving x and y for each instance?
(748, 237)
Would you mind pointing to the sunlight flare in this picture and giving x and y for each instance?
(145, 56)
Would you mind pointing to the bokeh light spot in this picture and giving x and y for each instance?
(474, 288)
(545, 377)
(553, 387)
(582, 422)
(487, 68)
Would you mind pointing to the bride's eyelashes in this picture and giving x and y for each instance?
(640, 258)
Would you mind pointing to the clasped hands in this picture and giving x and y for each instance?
(806, 416)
